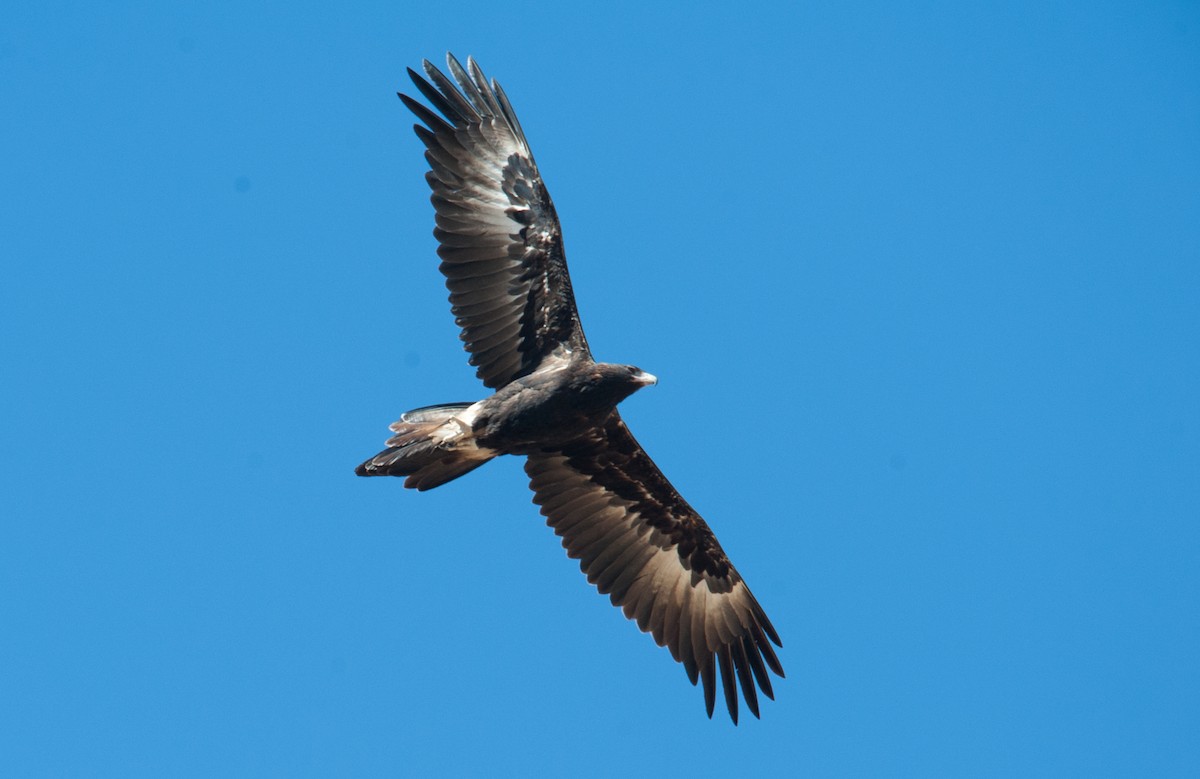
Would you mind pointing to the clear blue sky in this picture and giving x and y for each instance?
(922, 288)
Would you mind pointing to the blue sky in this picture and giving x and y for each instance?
(920, 285)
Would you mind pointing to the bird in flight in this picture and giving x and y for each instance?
(637, 540)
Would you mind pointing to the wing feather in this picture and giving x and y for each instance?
(500, 239)
(629, 576)
(640, 542)
(731, 699)
(682, 652)
(756, 665)
(708, 679)
(607, 566)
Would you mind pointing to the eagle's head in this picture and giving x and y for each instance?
(609, 383)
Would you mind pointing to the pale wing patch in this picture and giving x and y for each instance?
(500, 240)
(705, 621)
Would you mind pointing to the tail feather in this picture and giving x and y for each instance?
(431, 446)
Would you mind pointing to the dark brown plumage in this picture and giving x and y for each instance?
(636, 538)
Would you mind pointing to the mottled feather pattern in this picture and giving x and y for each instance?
(640, 543)
(636, 539)
(498, 234)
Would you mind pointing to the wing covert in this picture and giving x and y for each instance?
(639, 542)
(500, 241)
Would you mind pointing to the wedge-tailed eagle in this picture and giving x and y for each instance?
(637, 540)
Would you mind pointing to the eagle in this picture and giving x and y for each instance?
(637, 540)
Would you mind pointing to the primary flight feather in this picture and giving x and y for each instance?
(502, 255)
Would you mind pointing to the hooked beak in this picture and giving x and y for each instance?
(646, 379)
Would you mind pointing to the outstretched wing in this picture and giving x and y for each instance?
(641, 544)
(501, 244)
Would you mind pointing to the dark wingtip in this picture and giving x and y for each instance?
(707, 674)
(745, 677)
(409, 102)
(725, 660)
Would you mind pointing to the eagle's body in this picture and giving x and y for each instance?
(554, 406)
(636, 538)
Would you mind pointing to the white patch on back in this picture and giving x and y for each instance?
(456, 433)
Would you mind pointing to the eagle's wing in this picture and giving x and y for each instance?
(501, 244)
(641, 544)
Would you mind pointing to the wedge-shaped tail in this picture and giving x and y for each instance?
(431, 446)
